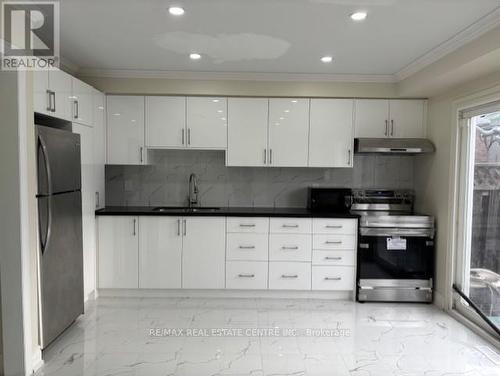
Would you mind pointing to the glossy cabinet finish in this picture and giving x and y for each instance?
(337, 257)
(206, 122)
(203, 253)
(331, 133)
(248, 224)
(165, 122)
(99, 129)
(81, 102)
(160, 252)
(341, 278)
(246, 275)
(289, 275)
(335, 226)
(247, 132)
(286, 247)
(288, 132)
(407, 118)
(246, 247)
(290, 225)
(118, 265)
(372, 118)
(125, 130)
(41, 96)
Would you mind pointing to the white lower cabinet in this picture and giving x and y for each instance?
(246, 247)
(203, 252)
(160, 255)
(333, 278)
(344, 258)
(289, 275)
(287, 247)
(246, 275)
(118, 252)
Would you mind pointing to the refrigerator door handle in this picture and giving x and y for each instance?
(46, 164)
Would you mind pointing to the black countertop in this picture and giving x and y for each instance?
(222, 212)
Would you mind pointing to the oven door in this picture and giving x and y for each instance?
(395, 254)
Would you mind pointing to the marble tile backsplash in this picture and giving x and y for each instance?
(165, 180)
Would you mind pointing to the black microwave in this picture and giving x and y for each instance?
(334, 200)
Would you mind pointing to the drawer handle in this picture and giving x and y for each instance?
(246, 247)
(333, 258)
(334, 226)
(247, 224)
(290, 248)
(289, 226)
(333, 242)
(333, 278)
(291, 276)
(246, 275)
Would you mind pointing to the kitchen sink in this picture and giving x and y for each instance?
(163, 209)
(166, 209)
(206, 209)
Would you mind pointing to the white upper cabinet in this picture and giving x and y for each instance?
(247, 132)
(206, 122)
(82, 104)
(160, 252)
(125, 124)
(99, 122)
(41, 95)
(331, 135)
(52, 92)
(399, 118)
(372, 118)
(407, 118)
(166, 122)
(288, 132)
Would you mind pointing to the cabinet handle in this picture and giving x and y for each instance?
(97, 200)
(247, 224)
(333, 258)
(333, 242)
(333, 278)
(349, 157)
(49, 100)
(291, 276)
(182, 136)
(386, 128)
(265, 156)
(334, 226)
(135, 223)
(289, 226)
(141, 152)
(189, 136)
(53, 94)
(246, 247)
(392, 127)
(246, 275)
(178, 227)
(185, 227)
(270, 156)
(294, 248)
(75, 104)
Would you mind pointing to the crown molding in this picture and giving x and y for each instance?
(239, 76)
(478, 28)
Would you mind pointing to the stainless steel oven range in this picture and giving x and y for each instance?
(395, 247)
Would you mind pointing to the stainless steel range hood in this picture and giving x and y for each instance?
(393, 145)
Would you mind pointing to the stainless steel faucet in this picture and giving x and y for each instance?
(193, 191)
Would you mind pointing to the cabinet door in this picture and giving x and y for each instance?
(60, 84)
(331, 136)
(118, 252)
(88, 205)
(99, 147)
(166, 122)
(247, 132)
(206, 122)
(40, 95)
(288, 132)
(125, 124)
(407, 118)
(203, 253)
(82, 102)
(372, 118)
(160, 252)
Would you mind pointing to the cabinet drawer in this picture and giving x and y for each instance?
(290, 225)
(250, 275)
(248, 224)
(289, 275)
(345, 242)
(333, 278)
(345, 258)
(335, 226)
(284, 247)
(249, 247)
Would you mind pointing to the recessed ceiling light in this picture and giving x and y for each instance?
(287, 111)
(194, 56)
(219, 111)
(326, 59)
(215, 100)
(176, 11)
(358, 16)
(294, 100)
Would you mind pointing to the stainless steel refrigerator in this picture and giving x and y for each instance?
(60, 228)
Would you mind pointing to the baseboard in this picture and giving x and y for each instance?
(144, 293)
(439, 300)
(36, 361)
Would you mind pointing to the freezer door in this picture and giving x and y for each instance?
(59, 167)
(61, 263)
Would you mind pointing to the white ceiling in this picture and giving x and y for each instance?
(264, 36)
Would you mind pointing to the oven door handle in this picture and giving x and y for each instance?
(408, 232)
